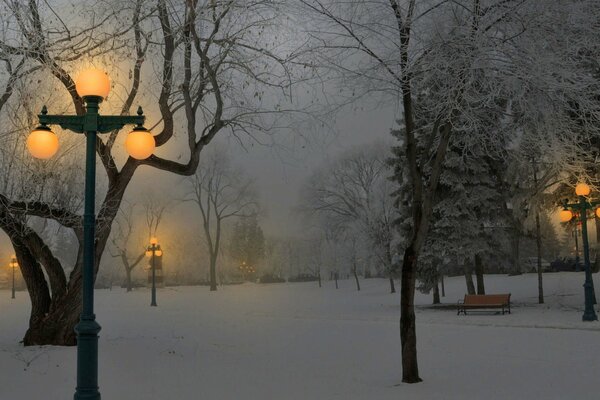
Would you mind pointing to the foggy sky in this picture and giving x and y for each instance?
(279, 170)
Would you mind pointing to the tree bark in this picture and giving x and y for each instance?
(392, 285)
(213, 272)
(57, 327)
(356, 276)
(479, 274)
(538, 243)
(442, 282)
(128, 279)
(436, 294)
(469, 279)
(408, 333)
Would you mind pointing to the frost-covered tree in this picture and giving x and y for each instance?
(353, 192)
(457, 68)
(468, 220)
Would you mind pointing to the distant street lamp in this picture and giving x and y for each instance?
(13, 265)
(246, 270)
(582, 190)
(92, 86)
(153, 250)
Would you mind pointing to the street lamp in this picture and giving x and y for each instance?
(582, 190)
(13, 265)
(92, 86)
(153, 250)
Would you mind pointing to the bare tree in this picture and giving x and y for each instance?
(354, 191)
(197, 49)
(121, 238)
(124, 232)
(221, 191)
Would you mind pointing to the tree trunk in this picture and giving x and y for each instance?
(469, 279)
(408, 333)
(479, 274)
(128, 279)
(356, 277)
(335, 276)
(52, 319)
(213, 272)
(392, 285)
(436, 294)
(57, 328)
(319, 279)
(442, 282)
(538, 243)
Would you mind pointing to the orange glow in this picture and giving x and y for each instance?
(42, 143)
(158, 253)
(140, 144)
(582, 189)
(598, 212)
(153, 240)
(565, 215)
(148, 253)
(92, 82)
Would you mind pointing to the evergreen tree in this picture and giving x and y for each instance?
(247, 245)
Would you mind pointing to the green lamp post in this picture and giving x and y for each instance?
(153, 250)
(92, 86)
(13, 265)
(582, 190)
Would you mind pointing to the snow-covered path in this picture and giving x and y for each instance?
(296, 341)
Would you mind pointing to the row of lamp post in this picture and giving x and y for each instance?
(93, 87)
(581, 208)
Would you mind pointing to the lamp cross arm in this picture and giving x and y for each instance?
(578, 206)
(108, 123)
(594, 203)
(73, 123)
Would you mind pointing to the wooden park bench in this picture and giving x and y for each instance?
(484, 302)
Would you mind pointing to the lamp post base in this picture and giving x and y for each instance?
(589, 314)
(87, 359)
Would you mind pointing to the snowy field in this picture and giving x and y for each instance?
(296, 341)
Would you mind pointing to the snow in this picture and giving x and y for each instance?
(296, 341)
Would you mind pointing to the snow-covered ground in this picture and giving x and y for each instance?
(296, 341)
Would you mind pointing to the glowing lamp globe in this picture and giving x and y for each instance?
(565, 216)
(582, 189)
(598, 212)
(158, 253)
(148, 253)
(42, 143)
(153, 240)
(92, 82)
(140, 144)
